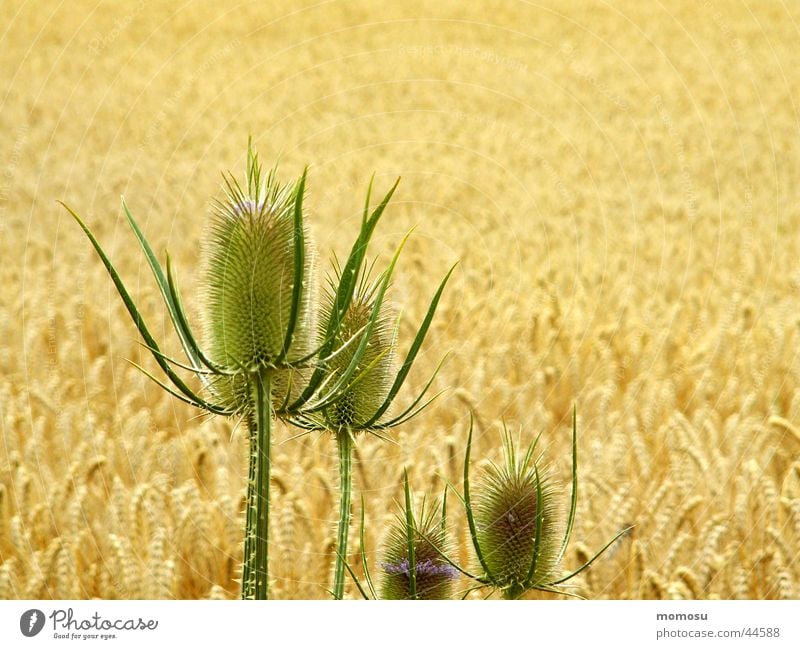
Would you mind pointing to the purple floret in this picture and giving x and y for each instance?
(399, 568)
(423, 569)
(248, 205)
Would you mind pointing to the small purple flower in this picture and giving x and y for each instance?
(423, 569)
(248, 205)
(399, 568)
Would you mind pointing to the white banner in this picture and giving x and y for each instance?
(385, 625)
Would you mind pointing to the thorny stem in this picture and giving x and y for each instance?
(345, 445)
(249, 558)
(255, 571)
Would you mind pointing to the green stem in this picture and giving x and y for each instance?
(255, 571)
(345, 445)
(513, 592)
(248, 584)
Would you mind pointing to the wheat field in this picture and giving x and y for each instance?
(618, 181)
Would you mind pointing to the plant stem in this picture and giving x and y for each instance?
(345, 445)
(255, 571)
(248, 584)
(513, 592)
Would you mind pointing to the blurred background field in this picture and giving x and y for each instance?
(618, 180)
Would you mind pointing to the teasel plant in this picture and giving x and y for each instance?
(412, 566)
(364, 399)
(516, 533)
(266, 359)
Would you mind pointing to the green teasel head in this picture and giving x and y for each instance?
(259, 303)
(353, 383)
(515, 522)
(414, 566)
(518, 513)
(364, 394)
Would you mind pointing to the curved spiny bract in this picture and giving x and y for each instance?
(250, 276)
(434, 577)
(508, 503)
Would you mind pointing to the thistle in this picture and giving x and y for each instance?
(257, 301)
(514, 525)
(413, 567)
(415, 564)
(255, 315)
(259, 324)
(517, 519)
(365, 393)
(360, 400)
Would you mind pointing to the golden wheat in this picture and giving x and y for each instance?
(620, 185)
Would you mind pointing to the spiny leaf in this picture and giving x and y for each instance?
(299, 267)
(473, 532)
(412, 352)
(574, 498)
(130, 305)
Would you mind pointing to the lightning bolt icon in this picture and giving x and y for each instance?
(32, 620)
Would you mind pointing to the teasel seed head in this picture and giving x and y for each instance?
(250, 275)
(434, 577)
(509, 500)
(371, 383)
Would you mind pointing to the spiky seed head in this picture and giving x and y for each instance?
(435, 578)
(250, 278)
(372, 379)
(506, 508)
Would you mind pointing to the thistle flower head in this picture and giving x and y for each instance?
(519, 523)
(367, 390)
(256, 316)
(515, 523)
(433, 577)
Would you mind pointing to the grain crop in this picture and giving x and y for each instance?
(618, 181)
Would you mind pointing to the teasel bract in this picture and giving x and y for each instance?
(514, 525)
(365, 393)
(260, 325)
